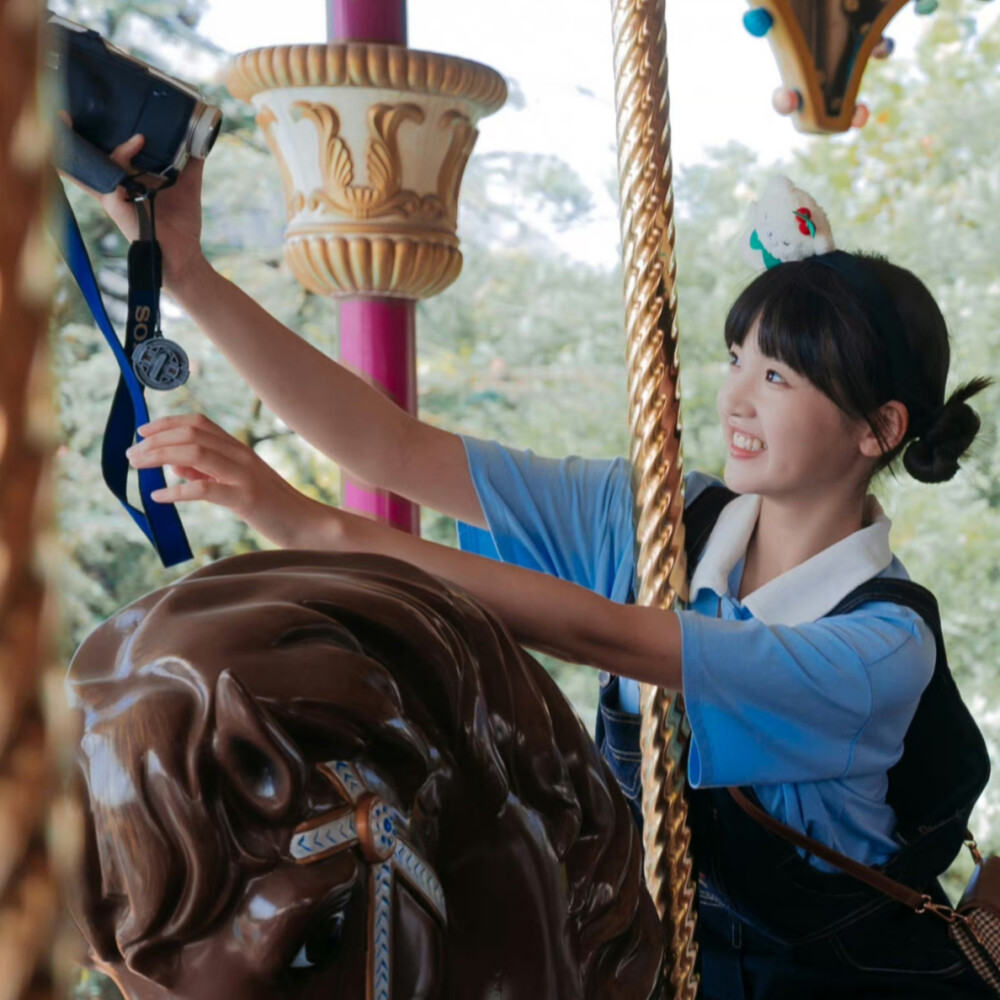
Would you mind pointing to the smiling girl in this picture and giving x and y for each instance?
(800, 684)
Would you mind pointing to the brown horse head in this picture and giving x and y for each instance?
(312, 775)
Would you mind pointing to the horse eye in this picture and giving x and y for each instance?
(320, 943)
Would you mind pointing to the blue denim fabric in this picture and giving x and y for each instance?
(773, 927)
(893, 953)
(617, 737)
(854, 944)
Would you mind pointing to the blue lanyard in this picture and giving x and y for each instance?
(160, 523)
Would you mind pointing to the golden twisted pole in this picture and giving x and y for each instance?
(649, 270)
(27, 887)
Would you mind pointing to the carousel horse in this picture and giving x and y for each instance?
(312, 775)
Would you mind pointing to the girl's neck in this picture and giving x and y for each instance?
(789, 532)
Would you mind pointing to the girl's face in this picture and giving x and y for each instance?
(785, 438)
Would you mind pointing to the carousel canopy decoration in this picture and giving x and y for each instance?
(822, 48)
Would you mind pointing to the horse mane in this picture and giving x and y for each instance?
(340, 657)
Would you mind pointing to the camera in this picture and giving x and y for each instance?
(110, 96)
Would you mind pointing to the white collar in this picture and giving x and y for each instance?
(807, 591)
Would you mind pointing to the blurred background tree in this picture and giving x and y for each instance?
(527, 347)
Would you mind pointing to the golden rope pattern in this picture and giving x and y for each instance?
(27, 886)
(649, 269)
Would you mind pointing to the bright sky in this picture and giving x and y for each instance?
(559, 53)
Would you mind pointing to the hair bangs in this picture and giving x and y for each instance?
(806, 318)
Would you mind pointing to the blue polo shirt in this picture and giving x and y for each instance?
(809, 710)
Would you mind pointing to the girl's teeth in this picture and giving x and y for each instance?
(747, 443)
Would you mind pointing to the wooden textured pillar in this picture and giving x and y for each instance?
(27, 885)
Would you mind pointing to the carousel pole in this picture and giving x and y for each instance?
(649, 268)
(27, 883)
(378, 335)
(372, 139)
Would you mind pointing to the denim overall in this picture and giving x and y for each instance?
(772, 926)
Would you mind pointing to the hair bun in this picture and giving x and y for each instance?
(933, 457)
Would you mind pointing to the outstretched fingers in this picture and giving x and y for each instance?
(217, 466)
(224, 471)
(222, 494)
(193, 421)
(205, 458)
(185, 429)
(187, 472)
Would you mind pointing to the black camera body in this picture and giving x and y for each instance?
(110, 96)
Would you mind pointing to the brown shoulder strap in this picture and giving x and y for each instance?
(904, 894)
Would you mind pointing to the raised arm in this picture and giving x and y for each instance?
(542, 611)
(335, 410)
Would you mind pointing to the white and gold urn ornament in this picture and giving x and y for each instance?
(372, 141)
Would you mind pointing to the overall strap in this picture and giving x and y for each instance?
(699, 519)
(919, 902)
(945, 764)
(870, 876)
(905, 592)
(942, 771)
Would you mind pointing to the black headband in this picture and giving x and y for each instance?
(889, 326)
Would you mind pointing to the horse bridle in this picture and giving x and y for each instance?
(369, 823)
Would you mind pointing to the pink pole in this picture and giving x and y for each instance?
(378, 336)
(367, 21)
(378, 340)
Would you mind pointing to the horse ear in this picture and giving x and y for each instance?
(260, 762)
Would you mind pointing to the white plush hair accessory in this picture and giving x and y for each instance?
(785, 224)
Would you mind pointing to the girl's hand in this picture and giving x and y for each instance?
(224, 471)
(178, 212)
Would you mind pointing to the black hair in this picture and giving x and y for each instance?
(812, 319)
